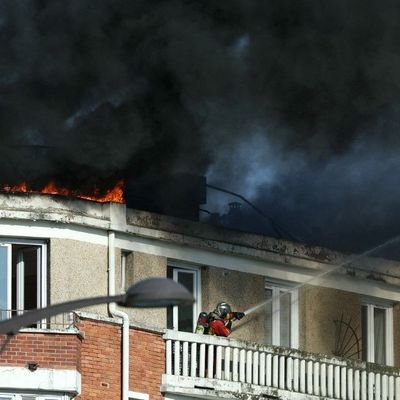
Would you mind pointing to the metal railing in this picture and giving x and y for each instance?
(209, 357)
(64, 321)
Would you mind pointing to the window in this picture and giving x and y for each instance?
(127, 271)
(282, 315)
(377, 333)
(184, 318)
(22, 277)
(137, 396)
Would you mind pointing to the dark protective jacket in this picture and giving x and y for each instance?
(213, 324)
(219, 328)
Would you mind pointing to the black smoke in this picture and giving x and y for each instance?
(94, 91)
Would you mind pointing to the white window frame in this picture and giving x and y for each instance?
(7, 313)
(277, 288)
(388, 307)
(41, 274)
(138, 396)
(176, 268)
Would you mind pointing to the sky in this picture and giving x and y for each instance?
(294, 105)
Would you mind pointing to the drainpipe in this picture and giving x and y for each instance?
(117, 313)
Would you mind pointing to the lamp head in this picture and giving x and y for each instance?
(156, 292)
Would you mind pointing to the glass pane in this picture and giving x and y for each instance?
(185, 313)
(14, 262)
(30, 278)
(284, 315)
(170, 309)
(364, 332)
(268, 316)
(379, 333)
(24, 267)
(3, 282)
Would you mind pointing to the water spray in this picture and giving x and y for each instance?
(333, 268)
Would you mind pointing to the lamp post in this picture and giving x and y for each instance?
(149, 293)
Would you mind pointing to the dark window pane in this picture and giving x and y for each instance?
(185, 313)
(379, 335)
(170, 309)
(30, 279)
(364, 332)
(187, 280)
(27, 255)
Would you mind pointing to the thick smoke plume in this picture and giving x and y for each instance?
(95, 91)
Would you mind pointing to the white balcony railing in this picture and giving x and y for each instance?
(202, 357)
(64, 321)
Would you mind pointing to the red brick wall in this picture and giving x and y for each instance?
(101, 361)
(97, 357)
(48, 350)
(147, 362)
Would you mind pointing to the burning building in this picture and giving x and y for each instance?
(317, 324)
(290, 98)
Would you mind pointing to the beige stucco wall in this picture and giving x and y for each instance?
(140, 266)
(77, 269)
(318, 309)
(241, 291)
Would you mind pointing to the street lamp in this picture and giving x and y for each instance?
(149, 293)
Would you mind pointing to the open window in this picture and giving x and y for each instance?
(282, 325)
(377, 332)
(184, 318)
(22, 277)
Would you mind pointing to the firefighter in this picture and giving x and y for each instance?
(220, 320)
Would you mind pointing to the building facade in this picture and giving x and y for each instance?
(319, 323)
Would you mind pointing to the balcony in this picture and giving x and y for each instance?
(208, 367)
(60, 322)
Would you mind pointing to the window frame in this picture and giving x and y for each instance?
(137, 396)
(371, 305)
(41, 275)
(124, 256)
(7, 312)
(277, 288)
(180, 267)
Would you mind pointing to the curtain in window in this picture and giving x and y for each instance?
(379, 335)
(285, 316)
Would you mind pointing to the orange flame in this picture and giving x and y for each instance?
(115, 195)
